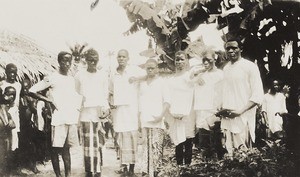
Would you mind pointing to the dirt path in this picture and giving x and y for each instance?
(109, 158)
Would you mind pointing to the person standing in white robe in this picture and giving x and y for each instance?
(242, 92)
(181, 116)
(124, 88)
(207, 101)
(154, 101)
(273, 108)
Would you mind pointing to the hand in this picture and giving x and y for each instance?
(167, 125)
(200, 81)
(112, 106)
(198, 69)
(178, 116)
(157, 119)
(11, 124)
(286, 90)
(280, 114)
(53, 105)
(132, 80)
(104, 113)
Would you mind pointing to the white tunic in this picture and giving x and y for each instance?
(207, 98)
(125, 97)
(63, 93)
(181, 93)
(273, 104)
(242, 83)
(152, 96)
(94, 89)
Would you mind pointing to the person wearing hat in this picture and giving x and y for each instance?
(92, 84)
(66, 103)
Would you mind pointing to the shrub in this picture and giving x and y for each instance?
(273, 160)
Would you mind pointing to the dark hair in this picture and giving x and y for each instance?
(91, 53)
(124, 50)
(26, 81)
(240, 44)
(62, 54)
(11, 87)
(151, 61)
(208, 54)
(180, 52)
(10, 66)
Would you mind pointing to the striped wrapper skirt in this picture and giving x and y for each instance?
(92, 139)
(153, 150)
(128, 146)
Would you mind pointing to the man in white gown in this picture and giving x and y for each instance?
(242, 91)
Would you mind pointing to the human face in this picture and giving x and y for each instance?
(151, 69)
(9, 95)
(122, 58)
(180, 62)
(208, 63)
(11, 74)
(25, 87)
(276, 86)
(65, 63)
(92, 63)
(233, 51)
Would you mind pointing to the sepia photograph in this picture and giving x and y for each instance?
(149, 88)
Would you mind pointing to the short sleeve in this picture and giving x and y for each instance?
(41, 85)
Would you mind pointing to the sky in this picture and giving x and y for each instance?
(57, 24)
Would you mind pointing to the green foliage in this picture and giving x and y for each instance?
(273, 160)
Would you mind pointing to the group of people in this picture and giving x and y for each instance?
(193, 100)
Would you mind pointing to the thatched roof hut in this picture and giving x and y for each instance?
(31, 60)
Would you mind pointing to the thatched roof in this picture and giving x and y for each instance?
(30, 59)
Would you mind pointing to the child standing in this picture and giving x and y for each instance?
(6, 126)
(273, 108)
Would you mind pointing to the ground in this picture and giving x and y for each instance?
(109, 158)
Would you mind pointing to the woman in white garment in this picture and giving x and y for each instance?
(273, 108)
(206, 102)
(153, 103)
(181, 115)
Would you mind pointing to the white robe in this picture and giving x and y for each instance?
(152, 96)
(273, 104)
(181, 93)
(125, 97)
(207, 98)
(242, 83)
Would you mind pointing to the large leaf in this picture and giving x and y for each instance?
(144, 10)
